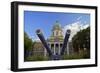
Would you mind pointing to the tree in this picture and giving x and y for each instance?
(28, 44)
(81, 40)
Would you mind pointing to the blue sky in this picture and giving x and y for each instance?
(46, 20)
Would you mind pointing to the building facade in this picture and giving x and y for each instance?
(55, 42)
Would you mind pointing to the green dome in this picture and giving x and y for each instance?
(57, 26)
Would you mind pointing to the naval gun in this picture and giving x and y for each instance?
(49, 51)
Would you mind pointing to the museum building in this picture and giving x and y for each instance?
(55, 42)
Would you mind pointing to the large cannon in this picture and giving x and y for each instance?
(51, 55)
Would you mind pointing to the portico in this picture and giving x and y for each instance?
(55, 41)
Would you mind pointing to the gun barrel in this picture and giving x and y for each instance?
(41, 37)
(65, 41)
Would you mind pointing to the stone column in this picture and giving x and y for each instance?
(45, 52)
(50, 45)
(67, 48)
(59, 48)
(54, 33)
(54, 48)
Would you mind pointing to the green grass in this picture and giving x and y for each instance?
(81, 55)
(36, 58)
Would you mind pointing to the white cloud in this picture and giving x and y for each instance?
(74, 27)
(79, 18)
(36, 39)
